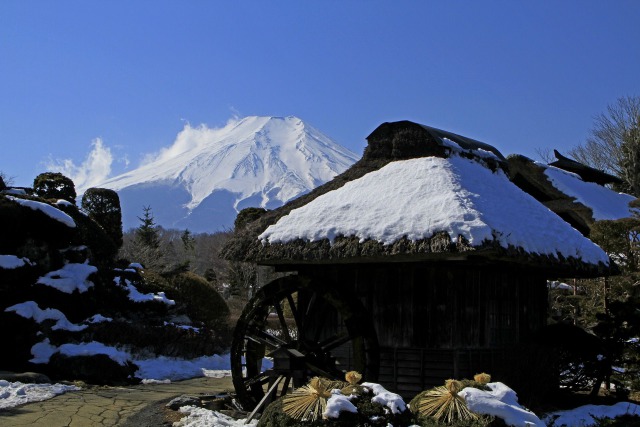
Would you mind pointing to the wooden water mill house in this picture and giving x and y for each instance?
(422, 262)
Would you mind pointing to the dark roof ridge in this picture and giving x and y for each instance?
(587, 173)
(406, 139)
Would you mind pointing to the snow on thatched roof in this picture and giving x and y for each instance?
(461, 143)
(605, 203)
(578, 201)
(415, 199)
(418, 194)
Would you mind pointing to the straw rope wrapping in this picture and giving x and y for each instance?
(443, 403)
(352, 387)
(482, 378)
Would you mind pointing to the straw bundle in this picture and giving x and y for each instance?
(308, 402)
(443, 403)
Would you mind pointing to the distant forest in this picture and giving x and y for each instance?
(169, 250)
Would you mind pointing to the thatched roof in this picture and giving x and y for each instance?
(578, 200)
(308, 230)
(587, 173)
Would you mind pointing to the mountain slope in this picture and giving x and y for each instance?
(208, 175)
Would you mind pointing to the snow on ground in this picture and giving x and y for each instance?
(161, 370)
(584, 415)
(431, 194)
(500, 401)
(200, 417)
(605, 203)
(48, 210)
(70, 278)
(16, 393)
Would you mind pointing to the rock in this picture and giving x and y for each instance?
(217, 403)
(181, 401)
(25, 377)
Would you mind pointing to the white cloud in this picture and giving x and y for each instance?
(188, 139)
(235, 113)
(91, 172)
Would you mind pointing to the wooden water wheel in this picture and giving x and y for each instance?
(305, 329)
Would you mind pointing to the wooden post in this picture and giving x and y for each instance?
(264, 399)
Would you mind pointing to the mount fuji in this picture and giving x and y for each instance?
(208, 175)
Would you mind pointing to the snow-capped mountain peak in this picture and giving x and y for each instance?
(208, 175)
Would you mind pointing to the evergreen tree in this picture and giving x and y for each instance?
(54, 185)
(618, 323)
(147, 233)
(103, 206)
(188, 241)
(145, 247)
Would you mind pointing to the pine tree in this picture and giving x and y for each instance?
(188, 241)
(147, 233)
(146, 246)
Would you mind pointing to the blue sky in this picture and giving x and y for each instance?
(518, 75)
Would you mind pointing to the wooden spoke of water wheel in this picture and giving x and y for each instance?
(305, 329)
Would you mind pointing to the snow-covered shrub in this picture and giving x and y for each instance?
(54, 185)
(94, 369)
(103, 206)
(202, 300)
(90, 233)
(74, 315)
(29, 232)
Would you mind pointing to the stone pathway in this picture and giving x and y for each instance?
(106, 406)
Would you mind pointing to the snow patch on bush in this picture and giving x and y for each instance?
(72, 277)
(502, 402)
(10, 262)
(31, 310)
(48, 210)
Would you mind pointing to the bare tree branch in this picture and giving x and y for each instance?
(545, 154)
(614, 143)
